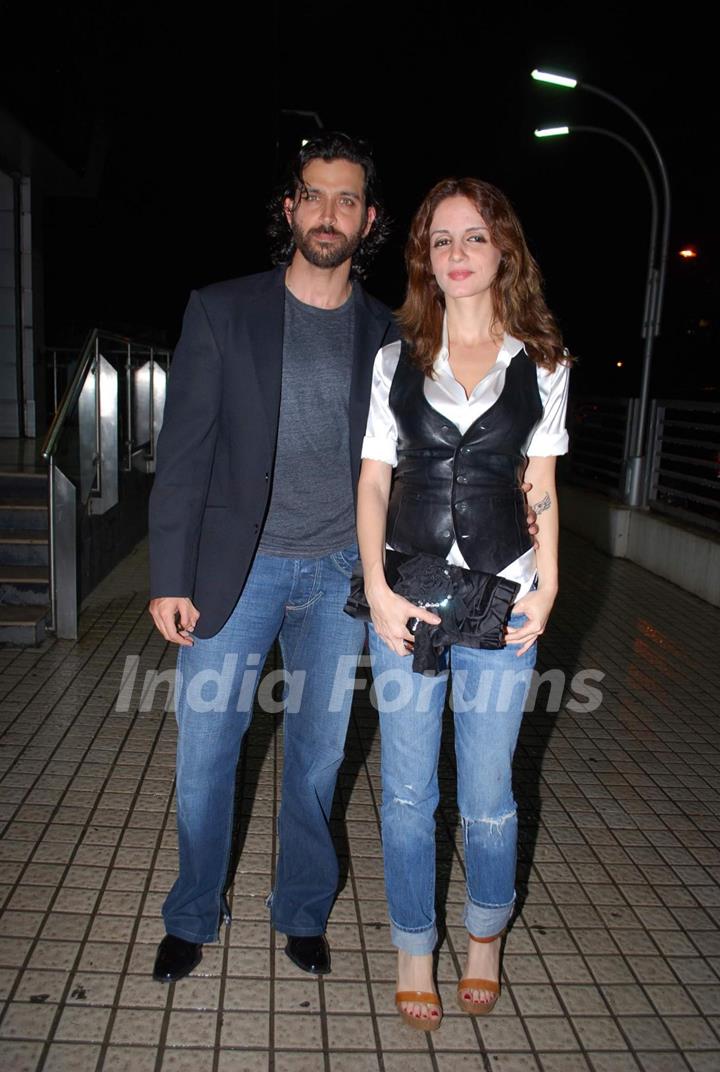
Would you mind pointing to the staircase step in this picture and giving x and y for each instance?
(23, 547)
(23, 584)
(22, 625)
(28, 574)
(23, 515)
(18, 535)
(26, 487)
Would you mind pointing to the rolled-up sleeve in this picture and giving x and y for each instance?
(550, 435)
(380, 442)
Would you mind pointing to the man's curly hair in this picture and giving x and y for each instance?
(330, 145)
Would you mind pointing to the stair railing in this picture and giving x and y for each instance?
(106, 425)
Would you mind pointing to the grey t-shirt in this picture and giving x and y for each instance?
(311, 511)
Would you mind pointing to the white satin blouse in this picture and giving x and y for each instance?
(447, 396)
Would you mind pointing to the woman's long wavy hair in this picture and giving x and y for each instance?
(330, 145)
(518, 304)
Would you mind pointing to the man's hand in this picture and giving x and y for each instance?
(169, 612)
(531, 516)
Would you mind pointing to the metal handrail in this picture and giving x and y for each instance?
(73, 389)
(72, 393)
(685, 404)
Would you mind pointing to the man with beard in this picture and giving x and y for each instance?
(252, 537)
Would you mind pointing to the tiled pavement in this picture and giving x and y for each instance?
(612, 965)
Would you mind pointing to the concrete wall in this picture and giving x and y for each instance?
(17, 343)
(688, 557)
(27, 305)
(9, 413)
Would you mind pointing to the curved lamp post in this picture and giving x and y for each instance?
(635, 490)
(652, 274)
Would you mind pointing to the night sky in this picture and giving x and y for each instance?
(189, 104)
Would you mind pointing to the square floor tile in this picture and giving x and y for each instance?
(615, 1062)
(354, 1062)
(82, 1024)
(536, 1000)
(297, 1062)
(27, 1020)
(661, 1062)
(129, 1059)
(187, 1061)
(140, 1026)
(692, 1033)
(563, 1062)
(40, 986)
(708, 1061)
(599, 1033)
(646, 1033)
(244, 1029)
(298, 995)
(252, 1061)
(93, 988)
(72, 1057)
(500, 1033)
(350, 1032)
(626, 999)
(551, 1033)
(20, 1056)
(297, 1031)
(512, 1062)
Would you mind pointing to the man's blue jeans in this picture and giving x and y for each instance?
(300, 600)
(489, 689)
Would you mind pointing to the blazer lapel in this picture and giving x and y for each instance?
(265, 330)
(370, 333)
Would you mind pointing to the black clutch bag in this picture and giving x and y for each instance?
(474, 606)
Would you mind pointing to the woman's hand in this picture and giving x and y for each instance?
(536, 606)
(390, 614)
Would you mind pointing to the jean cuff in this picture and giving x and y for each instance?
(417, 943)
(189, 936)
(291, 929)
(483, 921)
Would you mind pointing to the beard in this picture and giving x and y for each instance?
(326, 256)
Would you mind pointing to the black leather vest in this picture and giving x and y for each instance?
(449, 486)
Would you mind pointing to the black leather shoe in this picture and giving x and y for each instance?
(311, 954)
(175, 959)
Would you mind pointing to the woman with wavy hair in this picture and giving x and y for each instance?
(469, 404)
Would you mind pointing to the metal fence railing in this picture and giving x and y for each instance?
(684, 462)
(599, 441)
(682, 472)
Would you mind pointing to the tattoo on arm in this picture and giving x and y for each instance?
(544, 504)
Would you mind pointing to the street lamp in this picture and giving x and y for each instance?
(652, 275)
(635, 491)
(551, 132)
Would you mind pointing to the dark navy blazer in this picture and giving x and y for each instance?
(217, 444)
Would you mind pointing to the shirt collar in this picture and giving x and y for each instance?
(509, 348)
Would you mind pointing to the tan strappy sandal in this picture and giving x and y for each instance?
(480, 1008)
(419, 997)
